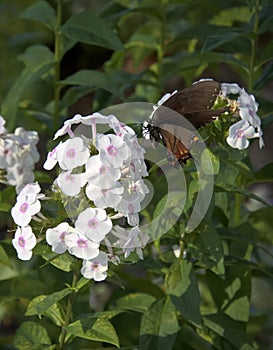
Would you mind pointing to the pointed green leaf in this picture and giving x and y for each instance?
(31, 335)
(38, 60)
(216, 40)
(94, 79)
(41, 12)
(54, 312)
(232, 294)
(139, 302)
(233, 332)
(88, 28)
(181, 285)
(206, 246)
(4, 258)
(51, 299)
(94, 329)
(159, 326)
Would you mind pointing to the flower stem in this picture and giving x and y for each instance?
(57, 59)
(253, 46)
(68, 311)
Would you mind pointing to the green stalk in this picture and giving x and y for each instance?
(161, 53)
(57, 60)
(252, 68)
(253, 47)
(68, 310)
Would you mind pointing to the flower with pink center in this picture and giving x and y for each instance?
(71, 184)
(101, 174)
(72, 153)
(96, 268)
(105, 197)
(24, 241)
(81, 247)
(130, 240)
(32, 188)
(113, 150)
(25, 207)
(239, 133)
(94, 223)
(56, 237)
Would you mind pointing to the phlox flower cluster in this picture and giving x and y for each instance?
(249, 126)
(106, 170)
(18, 154)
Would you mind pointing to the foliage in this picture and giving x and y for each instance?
(214, 294)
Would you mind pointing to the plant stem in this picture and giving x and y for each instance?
(253, 47)
(57, 59)
(68, 312)
(161, 52)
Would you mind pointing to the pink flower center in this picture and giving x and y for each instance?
(21, 241)
(95, 266)
(62, 236)
(93, 223)
(112, 150)
(103, 169)
(24, 207)
(240, 133)
(71, 153)
(82, 243)
(69, 178)
(131, 208)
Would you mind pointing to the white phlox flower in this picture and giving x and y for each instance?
(72, 153)
(27, 204)
(130, 240)
(113, 150)
(24, 241)
(239, 133)
(18, 154)
(248, 108)
(100, 173)
(56, 237)
(80, 246)
(96, 268)
(71, 184)
(94, 223)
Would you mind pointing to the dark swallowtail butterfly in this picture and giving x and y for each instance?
(193, 103)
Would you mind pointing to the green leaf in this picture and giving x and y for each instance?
(206, 246)
(159, 326)
(94, 79)
(210, 163)
(54, 312)
(217, 40)
(38, 60)
(94, 329)
(233, 332)
(88, 28)
(51, 299)
(262, 221)
(41, 12)
(5, 207)
(232, 294)
(31, 335)
(138, 302)
(181, 285)
(4, 258)
(142, 40)
(64, 262)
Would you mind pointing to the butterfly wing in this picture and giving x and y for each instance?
(194, 103)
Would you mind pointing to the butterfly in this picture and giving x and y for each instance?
(194, 103)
